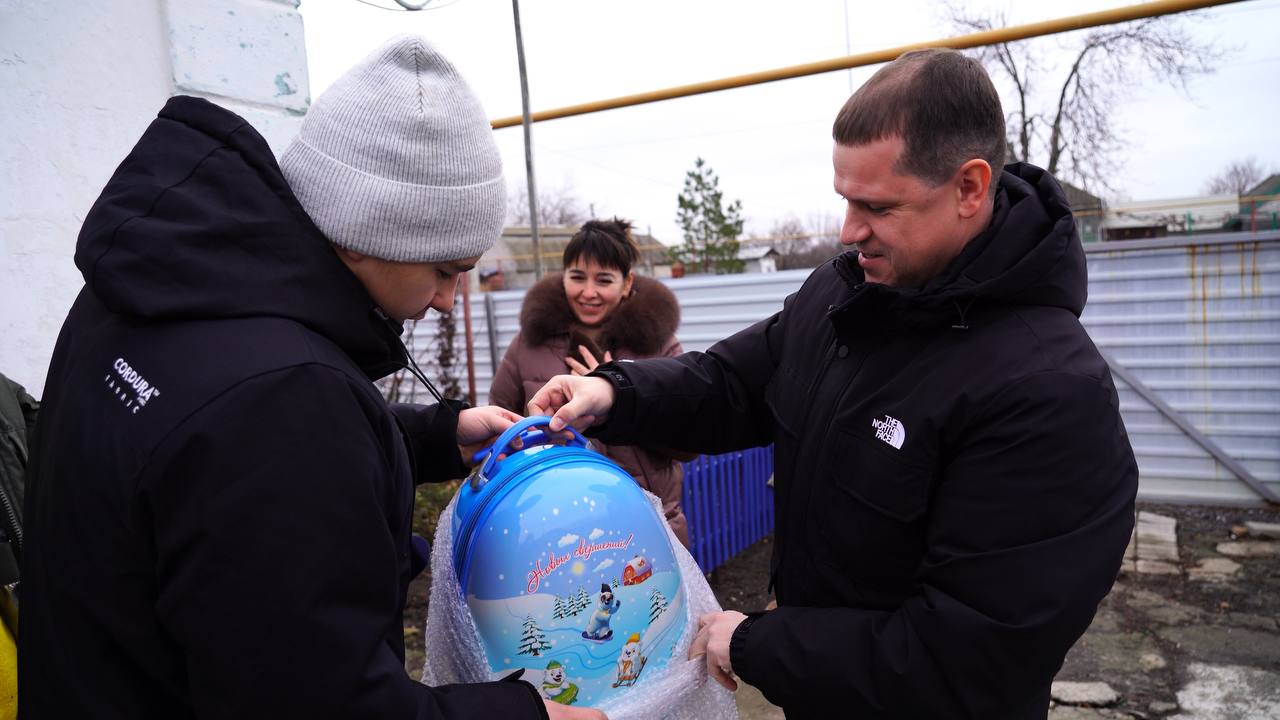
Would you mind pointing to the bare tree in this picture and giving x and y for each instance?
(790, 238)
(557, 207)
(1064, 118)
(1236, 178)
(805, 244)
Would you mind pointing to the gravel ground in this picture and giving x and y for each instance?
(1168, 645)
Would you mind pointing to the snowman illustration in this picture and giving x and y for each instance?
(598, 627)
(556, 686)
(630, 662)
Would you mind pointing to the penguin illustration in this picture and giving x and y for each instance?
(598, 626)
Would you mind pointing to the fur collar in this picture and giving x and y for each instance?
(642, 324)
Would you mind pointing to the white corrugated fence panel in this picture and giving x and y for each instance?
(1197, 320)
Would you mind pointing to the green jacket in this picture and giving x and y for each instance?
(17, 421)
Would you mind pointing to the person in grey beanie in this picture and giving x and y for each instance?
(219, 500)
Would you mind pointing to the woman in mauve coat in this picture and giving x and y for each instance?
(598, 310)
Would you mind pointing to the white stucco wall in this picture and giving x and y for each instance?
(80, 82)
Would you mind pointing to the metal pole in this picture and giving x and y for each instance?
(471, 342)
(962, 42)
(848, 49)
(491, 326)
(527, 122)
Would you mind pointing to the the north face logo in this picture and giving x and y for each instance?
(890, 431)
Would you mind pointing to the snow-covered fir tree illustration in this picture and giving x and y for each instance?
(598, 624)
(532, 639)
(556, 686)
(571, 605)
(657, 604)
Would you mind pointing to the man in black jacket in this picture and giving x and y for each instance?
(954, 485)
(219, 500)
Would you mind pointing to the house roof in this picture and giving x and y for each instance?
(513, 252)
(1270, 186)
(1080, 199)
(1262, 199)
(755, 252)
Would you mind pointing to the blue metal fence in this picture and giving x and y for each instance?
(728, 503)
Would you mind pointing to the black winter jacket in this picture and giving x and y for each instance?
(954, 485)
(219, 500)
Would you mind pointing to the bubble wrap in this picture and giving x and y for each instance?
(680, 690)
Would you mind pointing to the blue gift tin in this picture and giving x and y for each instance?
(566, 568)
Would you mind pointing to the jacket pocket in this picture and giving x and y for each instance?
(878, 476)
(869, 518)
(786, 398)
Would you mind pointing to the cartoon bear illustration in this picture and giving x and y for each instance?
(630, 662)
(598, 626)
(556, 686)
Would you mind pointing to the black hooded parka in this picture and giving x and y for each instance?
(219, 500)
(954, 485)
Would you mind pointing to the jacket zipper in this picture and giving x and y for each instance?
(462, 549)
(775, 576)
(15, 530)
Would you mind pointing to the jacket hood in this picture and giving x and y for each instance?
(643, 323)
(198, 223)
(1030, 254)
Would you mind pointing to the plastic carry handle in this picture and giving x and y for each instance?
(521, 429)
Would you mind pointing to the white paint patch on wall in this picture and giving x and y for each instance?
(248, 50)
(80, 84)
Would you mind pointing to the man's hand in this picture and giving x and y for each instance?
(583, 368)
(556, 711)
(479, 426)
(574, 400)
(715, 630)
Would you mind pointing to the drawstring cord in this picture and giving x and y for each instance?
(412, 367)
(422, 377)
(962, 325)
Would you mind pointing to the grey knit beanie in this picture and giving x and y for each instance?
(397, 160)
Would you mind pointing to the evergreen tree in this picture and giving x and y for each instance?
(710, 229)
(657, 605)
(532, 639)
(615, 583)
(581, 601)
(558, 613)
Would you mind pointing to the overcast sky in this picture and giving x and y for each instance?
(771, 144)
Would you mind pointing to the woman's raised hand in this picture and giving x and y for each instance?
(591, 363)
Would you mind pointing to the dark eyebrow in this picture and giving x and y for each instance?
(463, 268)
(873, 203)
(867, 201)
